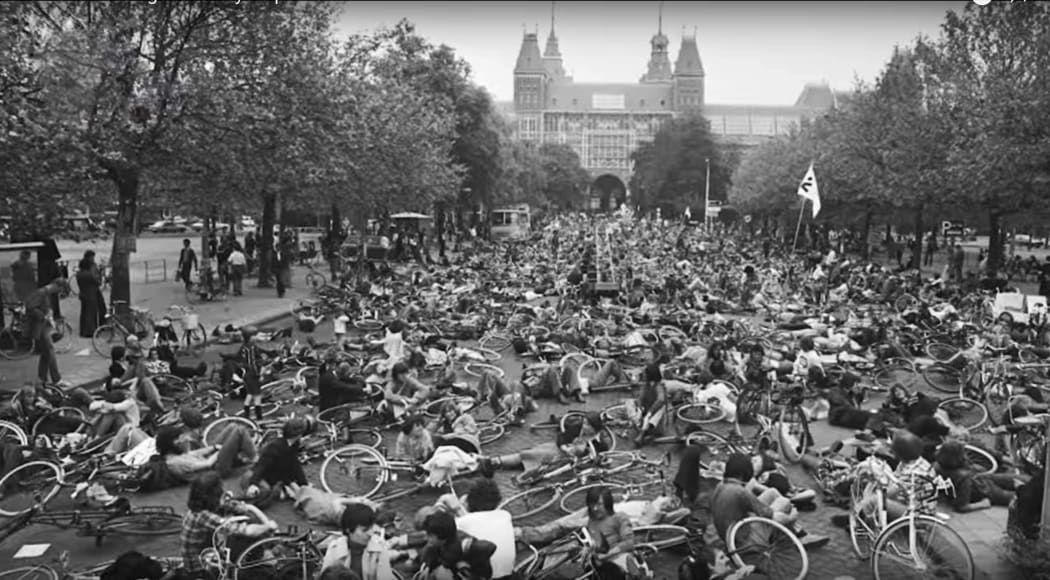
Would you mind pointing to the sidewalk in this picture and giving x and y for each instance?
(82, 365)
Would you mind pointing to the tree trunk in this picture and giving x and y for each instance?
(995, 245)
(866, 235)
(265, 245)
(126, 178)
(439, 227)
(917, 250)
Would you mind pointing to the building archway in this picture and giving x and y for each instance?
(610, 192)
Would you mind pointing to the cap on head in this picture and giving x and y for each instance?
(249, 331)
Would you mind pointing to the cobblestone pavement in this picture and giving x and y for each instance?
(836, 560)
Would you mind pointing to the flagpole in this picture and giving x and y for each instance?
(798, 226)
(707, 191)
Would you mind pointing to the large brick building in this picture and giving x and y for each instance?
(605, 122)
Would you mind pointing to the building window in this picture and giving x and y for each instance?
(663, 103)
(574, 102)
(641, 102)
(554, 102)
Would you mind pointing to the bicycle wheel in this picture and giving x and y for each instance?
(354, 470)
(531, 501)
(490, 432)
(942, 378)
(1029, 450)
(793, 433)
(575, 499)
(196, 339)
(495, 342)
(864, 527)
(980, 460)
(941, 352)
(28, 485)
(12, 433)
(938, 551)
(142, 522)
(55, 421)
(888, 375)
(478, 369)
(62, 336)
(772, 549)
(315, 280)
(278, 558)
(964, 412)
(105, 338)
(30, 573)
(661, 537)
(433, 409)
(172, 386)
(700, 413)
(15, 346)
(214, 430)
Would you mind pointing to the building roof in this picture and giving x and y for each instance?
(688, 63)
(529, 59)
(816, 96)
(609, 97)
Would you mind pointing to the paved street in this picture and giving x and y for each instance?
(82, 364)
(981, 530)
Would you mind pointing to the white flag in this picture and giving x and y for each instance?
(808, 189)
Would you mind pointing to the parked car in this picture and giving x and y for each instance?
(1026, 239)
(198, 226)
(168, 227)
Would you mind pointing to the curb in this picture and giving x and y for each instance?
(95, 384)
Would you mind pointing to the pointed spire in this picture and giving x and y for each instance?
(660, 20)
(552, 19)
(659, 69)
(552, 54)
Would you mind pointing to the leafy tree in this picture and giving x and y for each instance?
(989, 76)
(522, 177)
(670, 172)
(112, 75)
(566, 179)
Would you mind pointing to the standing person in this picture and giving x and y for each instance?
(23, 274)
(958, 261)
(238, 268)
(250, 357)
(41, 324)
(91, 312)
(931, 249)
(278, 260)
(249, 250)
(1044, 278)
(187, 264)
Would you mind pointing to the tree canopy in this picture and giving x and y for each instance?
(953, 128)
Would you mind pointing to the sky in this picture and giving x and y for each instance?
(754, 53)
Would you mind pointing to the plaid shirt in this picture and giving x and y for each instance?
(919, 487)
(198, 530)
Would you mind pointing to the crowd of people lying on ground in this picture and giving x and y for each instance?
(662, 269)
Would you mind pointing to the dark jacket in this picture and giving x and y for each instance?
(465, 551)
(334, 392)
(278, 465)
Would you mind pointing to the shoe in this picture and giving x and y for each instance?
(814, 541)
(578, 396)
(840, 520)
(563, 399)
(201, 369)
(798, 496)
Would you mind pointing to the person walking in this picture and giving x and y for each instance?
(41, 324)
(187, 264)
(249, 250)
(238, 268)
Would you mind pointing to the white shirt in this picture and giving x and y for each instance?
(496, 527)
(339, 324)
(394, 345)
(237, 258)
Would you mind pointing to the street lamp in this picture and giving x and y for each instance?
(707, 190)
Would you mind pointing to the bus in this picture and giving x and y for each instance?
(511, 222)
